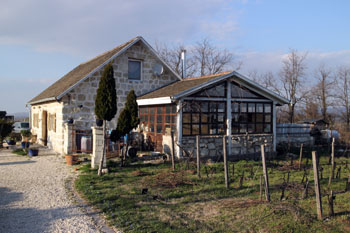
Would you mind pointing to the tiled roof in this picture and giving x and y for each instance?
(77, 74)
(181, 86)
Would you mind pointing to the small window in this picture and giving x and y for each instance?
(134, 70)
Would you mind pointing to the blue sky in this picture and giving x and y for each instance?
(42, 40)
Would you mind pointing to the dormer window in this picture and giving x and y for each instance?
(134, 69)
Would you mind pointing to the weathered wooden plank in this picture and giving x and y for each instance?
(317, 186)
(198, 158)
(267, 191)
(225, 162)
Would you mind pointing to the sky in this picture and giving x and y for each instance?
(40, 40)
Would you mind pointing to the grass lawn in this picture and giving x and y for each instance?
(181, 202)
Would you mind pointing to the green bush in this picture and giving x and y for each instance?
(106, 98)
(26, 133)
(6, 128)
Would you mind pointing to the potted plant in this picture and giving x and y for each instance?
(33, 151)
(70, 159)
(10, 141)
(25, 138)
(25, 135)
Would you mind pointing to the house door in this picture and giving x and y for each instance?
(44, 128)
(156, 141)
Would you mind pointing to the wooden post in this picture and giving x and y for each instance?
(331, 198)
(261, 188)
(198, 160)
(267, 191)
(301, 155)
(241, 180)
(173, 151)
(233, 171)
(304, 176)
(306, 186)
(347, 185)
(338, 173)
(317, 186)
(333, 165)
(283, 187)
(206, 171)
(225, 162)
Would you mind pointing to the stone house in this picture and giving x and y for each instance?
(73, 96)
(225, 104)
(210, 106)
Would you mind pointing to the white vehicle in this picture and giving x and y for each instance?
(19, 126)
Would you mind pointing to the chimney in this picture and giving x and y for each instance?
(183, 58)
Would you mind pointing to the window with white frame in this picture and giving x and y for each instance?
(134, 69)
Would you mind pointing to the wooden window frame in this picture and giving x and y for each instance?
(210, 112)
(141, 67)
(157, 114)
(254, 114)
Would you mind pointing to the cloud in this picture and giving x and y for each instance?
(221, 30)
(88, 27)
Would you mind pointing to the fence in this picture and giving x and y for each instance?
(82, 141)
(113, 148)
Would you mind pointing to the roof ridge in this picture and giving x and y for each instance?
(108, 51)
(209, 75)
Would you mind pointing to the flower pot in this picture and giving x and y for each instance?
(33, 152)
(25, 145)
(70, 160)
(99, 122)
(11, 142)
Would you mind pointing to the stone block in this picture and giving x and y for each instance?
(204, 152)
(212, 153)
(236, 150)
(211, 146)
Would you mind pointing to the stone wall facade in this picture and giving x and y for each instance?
(55, 138)
(242, 146)
(79, 103)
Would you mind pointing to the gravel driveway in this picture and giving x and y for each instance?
(33, 197)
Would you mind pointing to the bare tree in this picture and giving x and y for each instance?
(343, 93)
(172, 56)
(210, 59)
(311, 107)
(323, 89)
(266, 80)
(292, 77)
(201, 59)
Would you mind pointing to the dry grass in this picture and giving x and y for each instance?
(168, 179)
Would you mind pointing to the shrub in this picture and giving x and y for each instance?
(6, 128)
(26, 133)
